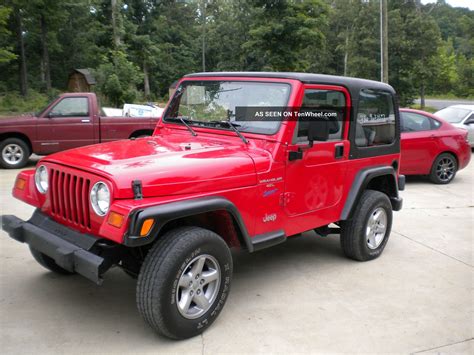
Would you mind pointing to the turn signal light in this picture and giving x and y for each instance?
(115, 219)
(20, 184)
(146, 226)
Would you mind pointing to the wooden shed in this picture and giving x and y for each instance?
(81, 80)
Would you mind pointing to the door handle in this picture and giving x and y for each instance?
(338, 151)
(85, 121)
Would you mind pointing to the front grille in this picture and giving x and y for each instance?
(69, 196)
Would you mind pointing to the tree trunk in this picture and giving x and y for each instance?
(146, 80)
(385, 41)
(203, 35)
(346, 51)
(44, 43)
(21, 49)
(115, 23)
(422, 95)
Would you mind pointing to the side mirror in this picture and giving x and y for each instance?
(50, 114)
(318, 130)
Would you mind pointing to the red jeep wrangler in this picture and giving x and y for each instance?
(168, 208)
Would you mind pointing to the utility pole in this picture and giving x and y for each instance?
(383, 41)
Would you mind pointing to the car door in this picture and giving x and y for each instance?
(315, 178)
(418, 143)
(67, 124)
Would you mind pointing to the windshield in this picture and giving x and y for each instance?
(453, 114)
(205, 102)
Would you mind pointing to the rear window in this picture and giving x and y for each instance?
(414, 122)
(375, 124)
(453, 114)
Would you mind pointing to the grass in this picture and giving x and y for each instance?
(12, 103)
(426, 108)
(449, 97)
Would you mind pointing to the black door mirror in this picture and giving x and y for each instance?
(318, 130)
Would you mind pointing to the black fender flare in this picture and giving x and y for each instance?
(167, 212)
(360, 183)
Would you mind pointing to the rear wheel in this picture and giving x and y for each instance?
(48, 262)
(184, 282)
(444, 169)
(365, 235)
(14, 153)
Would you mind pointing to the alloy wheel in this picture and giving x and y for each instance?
(198, 286)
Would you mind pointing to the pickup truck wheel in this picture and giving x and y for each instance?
(444, 169)
(14, 153)
(365, 235)
(184, 282)
(48, 262)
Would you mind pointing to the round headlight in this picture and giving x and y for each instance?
(100, 198)
(41, 179)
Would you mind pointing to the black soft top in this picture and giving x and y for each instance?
(352, 84)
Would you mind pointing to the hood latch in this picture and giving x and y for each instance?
(137, 189)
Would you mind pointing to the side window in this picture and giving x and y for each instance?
(375, 123)
(413, 122)
(71, 107)
(330, 104)
(435, 124)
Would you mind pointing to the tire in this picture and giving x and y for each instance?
(49, 263)
(14, 153)
(444, 169)
(171, 261)
(372, 208)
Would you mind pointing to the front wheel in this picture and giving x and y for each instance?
(184, 282)
(365, 235)
(14, 153)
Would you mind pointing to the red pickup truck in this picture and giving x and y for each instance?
(69, 121)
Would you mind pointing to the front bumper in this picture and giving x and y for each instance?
(73, 251)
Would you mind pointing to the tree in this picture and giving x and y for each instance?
(284, 33)
(6, 49)
(117, 78)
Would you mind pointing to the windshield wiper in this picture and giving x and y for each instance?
(233, 126)
(184, 120)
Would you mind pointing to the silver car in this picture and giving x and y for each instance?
(461, 116)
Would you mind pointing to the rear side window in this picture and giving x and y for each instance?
(71, 107)
(413, 122)
(375, 123)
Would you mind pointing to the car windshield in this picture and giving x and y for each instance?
(453, 114)
(203, 103)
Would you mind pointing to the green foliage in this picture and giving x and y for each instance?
(12, 103)
(152, 43)
(6, 49)
(117, 78)
(284, 34)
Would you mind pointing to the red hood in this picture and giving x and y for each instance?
(170, 165)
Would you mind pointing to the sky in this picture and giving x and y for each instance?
(454, 3)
